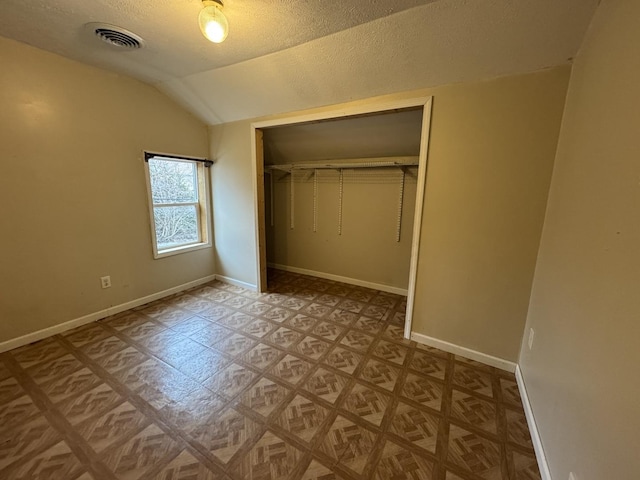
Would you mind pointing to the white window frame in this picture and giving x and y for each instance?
(202, 205)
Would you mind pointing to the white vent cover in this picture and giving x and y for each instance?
(116, 36)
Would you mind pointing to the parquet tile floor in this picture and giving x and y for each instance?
(311, 381)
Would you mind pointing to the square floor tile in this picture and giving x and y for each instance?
(291, 369)
(55, 463)
(510, 392)
(124, 320)
(278, 314)
(474, 453)
(18, 443)
(264, 396)
(216, 313)
(284, 337)
(350, 445)
(224, 434)
(478, 381)
(357, 340)
(211, 334)
(127, 358)
(262, 356)
(369, 325)
(302, 417)
(428, 364)
(236, 345)
(10, 389)
(317, 471)
(70, 385)
(326, 384)
(518, 429)
(343, 317)
(175, 317)
(317, 310)
(474, 411)
(343, 359)
(312, 348)
(416, 426)
(190, 325)
(53, 369)
(397, 463)
(328, 330)
(190, 411)
(95, 402)
(203, 365)
(258, 328)
(380, 374)
(231, 380)
(112, 427)
(186, 467)
(42, 351)
(391, 352)
(423, 390)
(86, 334)
(366, 403)
(106, 346)
(301, 322)
(135, 457)
(270, 458)
(17, 412)
(525, 466)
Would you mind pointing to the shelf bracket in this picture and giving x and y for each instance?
(292, 201)
(400, 205)
(315, 201)
(271, 197)
(340, 195)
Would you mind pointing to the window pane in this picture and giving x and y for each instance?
(176, 226)
(173, 181)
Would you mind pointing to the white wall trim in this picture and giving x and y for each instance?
(490, 360)
(545, 473)
(237, 283)
(92, 317)
(417, 215)
(338, 278)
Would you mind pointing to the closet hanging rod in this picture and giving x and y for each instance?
(338, 166)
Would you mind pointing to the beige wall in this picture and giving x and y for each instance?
(367, 249)
(72, 189)
(490, 161)
(582, 374)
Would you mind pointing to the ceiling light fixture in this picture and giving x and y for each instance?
(213, 23)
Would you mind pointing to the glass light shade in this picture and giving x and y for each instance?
(213, 24)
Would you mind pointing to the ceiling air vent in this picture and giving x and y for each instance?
(116, 36)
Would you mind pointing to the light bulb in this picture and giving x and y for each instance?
(213, 23)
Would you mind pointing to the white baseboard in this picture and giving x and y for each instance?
(237, 283)
(92, 317)
(490, 360)
(338, 278)
(545, 473)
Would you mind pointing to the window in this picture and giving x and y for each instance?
(178, 203)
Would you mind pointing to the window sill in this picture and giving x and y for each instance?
(182, 249)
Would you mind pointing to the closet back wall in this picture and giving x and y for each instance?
(366, 249)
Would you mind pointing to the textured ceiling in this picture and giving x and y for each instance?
(284, 55)
(394, 134)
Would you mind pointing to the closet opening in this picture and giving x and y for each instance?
(339, 196)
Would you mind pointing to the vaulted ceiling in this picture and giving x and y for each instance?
(286, 55)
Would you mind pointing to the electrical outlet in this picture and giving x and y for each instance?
(105, 281)
(572, 476)
(531, 334)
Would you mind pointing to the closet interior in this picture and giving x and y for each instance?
(340, 197)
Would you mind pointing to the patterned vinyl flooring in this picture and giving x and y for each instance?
(311, 381)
